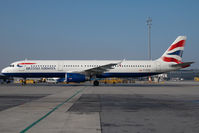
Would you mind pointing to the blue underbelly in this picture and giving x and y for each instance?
(62, 75)
(106, 75)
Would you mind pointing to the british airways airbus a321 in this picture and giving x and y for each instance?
(87, 70)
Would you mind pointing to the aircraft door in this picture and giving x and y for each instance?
(60, 66)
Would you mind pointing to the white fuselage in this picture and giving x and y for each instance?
(58, 68)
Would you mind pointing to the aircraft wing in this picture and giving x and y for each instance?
(100, 69)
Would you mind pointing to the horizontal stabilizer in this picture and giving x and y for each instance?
(183, 64)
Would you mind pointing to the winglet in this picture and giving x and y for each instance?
(121, 61)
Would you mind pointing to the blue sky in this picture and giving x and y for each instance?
(95, 29)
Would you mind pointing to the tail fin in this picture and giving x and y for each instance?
(175, 51)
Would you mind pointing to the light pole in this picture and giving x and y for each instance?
(149, 23)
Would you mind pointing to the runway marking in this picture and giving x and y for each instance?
(43, 117)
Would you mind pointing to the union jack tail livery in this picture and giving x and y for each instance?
(175, 51)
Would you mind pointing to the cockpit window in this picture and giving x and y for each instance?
(11, 65)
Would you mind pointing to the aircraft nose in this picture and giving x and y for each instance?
(3, 71)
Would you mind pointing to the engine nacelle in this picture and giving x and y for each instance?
(75, 77)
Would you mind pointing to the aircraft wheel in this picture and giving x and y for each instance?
(96, 83)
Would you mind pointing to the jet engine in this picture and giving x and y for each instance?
(75, 77)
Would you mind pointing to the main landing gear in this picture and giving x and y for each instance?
(96, 83)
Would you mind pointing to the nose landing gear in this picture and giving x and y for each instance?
(23, 81)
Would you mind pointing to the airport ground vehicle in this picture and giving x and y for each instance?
(29, 81)
(54, 80)
(196, 78)
(111, 80)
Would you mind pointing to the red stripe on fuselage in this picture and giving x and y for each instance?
(26, 63)
(169, 59)
(178, 44)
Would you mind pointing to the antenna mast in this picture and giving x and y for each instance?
(149, 23)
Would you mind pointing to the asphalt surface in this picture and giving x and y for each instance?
(8, 101)
(141, 113)
(123, 108)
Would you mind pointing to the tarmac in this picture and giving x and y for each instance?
(170, 107)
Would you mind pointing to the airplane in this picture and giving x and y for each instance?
(93, 70)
